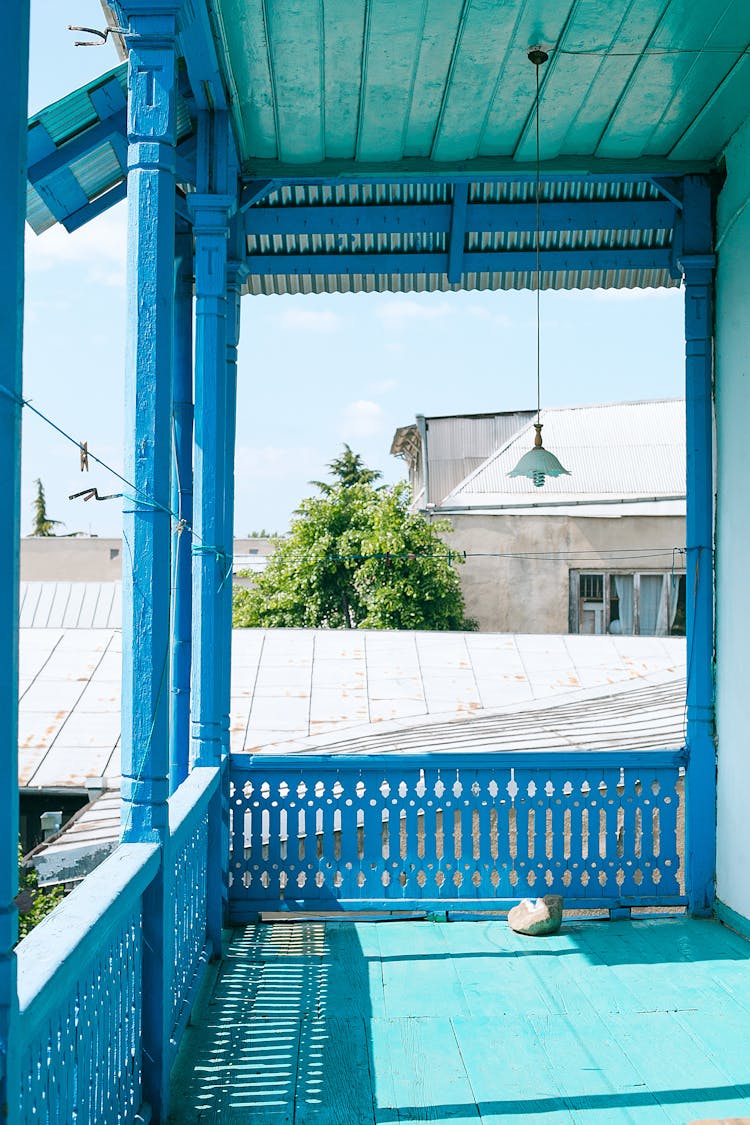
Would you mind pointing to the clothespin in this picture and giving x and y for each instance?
(84, 447)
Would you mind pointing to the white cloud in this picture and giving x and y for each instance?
(363, 418)
(613, 295)
(99, 247)
(274, 462)
(311, 320)
(403, 311)
(383, 386)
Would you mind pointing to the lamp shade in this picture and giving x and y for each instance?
(538, 463)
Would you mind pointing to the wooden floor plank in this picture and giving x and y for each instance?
(599, 1083)
(354, 975)
(359, 1022)
(644, 970)
(679, 1071)
(494, 977)
(510, 1075)
(428, 1080)
(333, 1081)
(419, 976)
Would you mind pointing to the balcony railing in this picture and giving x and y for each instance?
(602, 829)
(90, 984)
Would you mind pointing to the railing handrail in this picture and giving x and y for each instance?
(79, 927)
(526, 759)
(189, 800)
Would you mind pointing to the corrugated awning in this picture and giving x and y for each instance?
(77, 153)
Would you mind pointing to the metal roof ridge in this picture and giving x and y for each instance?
(527, 428)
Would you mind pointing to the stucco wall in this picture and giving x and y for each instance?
(521, 595)
(57, 559)
(733, 527)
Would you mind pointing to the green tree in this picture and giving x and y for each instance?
(33, 902)
(43, 525)
(348, 469)
(356, 557)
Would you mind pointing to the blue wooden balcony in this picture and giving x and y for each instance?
(449, 1017)
(251, 169)
(637, 1021)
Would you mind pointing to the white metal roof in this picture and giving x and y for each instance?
(71, 605)
(623, 452)
(291, 685)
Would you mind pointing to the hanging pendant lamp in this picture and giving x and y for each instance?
(538, 463)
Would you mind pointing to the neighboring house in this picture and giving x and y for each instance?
(599, 551)
(57, 558)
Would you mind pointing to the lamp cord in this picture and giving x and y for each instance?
(538, 261)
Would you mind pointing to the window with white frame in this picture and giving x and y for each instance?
(648, 603)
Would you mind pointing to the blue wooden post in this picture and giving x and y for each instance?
(210, 209)
(236, 272)
(147, 521)
(697, 262)
(182, 504)
(14, 53)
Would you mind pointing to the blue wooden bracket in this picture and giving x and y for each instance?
(457, 233)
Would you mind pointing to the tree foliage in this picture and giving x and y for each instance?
(33, 902)
(43, 525)
(348, 469)
(356, 557)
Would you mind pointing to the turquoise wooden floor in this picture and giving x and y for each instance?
(644, 1021)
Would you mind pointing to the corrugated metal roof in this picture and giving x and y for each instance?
(292, 687)
(83, 844)
(457, 446)
(71, 605)
(84, 177)
(332, 245)
(620, 451)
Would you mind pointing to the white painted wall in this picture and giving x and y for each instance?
(733, 527)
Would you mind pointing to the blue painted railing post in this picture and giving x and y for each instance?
(14, 59)
(147, 520)
(182, 504)
(211, 210)
(697, 261)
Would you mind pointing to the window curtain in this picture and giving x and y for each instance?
(624, 587)
(674, 597)
(653, 605)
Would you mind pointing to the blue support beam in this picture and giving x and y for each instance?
(14, 54)
(697, 261)
(458, 229)
(147, 520)
(506, 261)
(443, 218)
(182, 504)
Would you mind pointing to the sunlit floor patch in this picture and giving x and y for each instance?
(347, 1023)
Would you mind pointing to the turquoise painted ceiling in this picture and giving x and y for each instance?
(421, 83)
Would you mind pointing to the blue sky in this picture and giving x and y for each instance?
(314, 371)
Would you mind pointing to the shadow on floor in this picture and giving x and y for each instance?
(366, 1024)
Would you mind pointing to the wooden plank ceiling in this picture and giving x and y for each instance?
(322, 84)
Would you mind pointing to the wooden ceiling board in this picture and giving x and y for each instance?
(375, 82)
